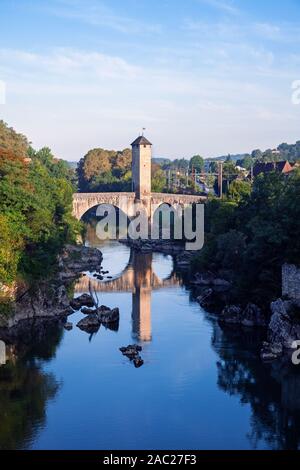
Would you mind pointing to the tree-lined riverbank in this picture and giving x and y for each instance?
(35, 213)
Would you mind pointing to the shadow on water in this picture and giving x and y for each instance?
(25, 388)
(272, 390)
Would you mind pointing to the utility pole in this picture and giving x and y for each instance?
(220, 180)
(169, 179)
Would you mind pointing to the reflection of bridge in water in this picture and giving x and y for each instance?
(140, 279)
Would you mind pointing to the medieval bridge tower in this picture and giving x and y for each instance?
(141, 167)
(141, 189)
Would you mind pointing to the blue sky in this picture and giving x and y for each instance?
(203, 76)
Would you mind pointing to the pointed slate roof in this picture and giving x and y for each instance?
(141, 140)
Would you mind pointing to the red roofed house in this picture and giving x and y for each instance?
(281, 167)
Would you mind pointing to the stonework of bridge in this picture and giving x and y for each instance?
(141, 196)
(127, 202)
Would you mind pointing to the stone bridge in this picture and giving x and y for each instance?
(141, 196)
(82, 202)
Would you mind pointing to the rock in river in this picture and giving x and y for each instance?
(107, 315)
(94, 318)
(251, 316)
(88, 311)
(90, 323)
(231, 314)
(132, 352)
(82, 300)
(138, 361)
(68, 326)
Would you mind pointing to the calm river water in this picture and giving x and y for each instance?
(200, 387)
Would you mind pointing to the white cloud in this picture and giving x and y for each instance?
(99, 14)
(74, 99)
(267, 30)
(224, 6)
(67, 61)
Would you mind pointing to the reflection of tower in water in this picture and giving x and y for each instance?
(141, 296)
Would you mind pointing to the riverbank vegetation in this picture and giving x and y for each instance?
(35, 208)
(252, 232)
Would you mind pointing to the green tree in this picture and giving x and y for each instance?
(257, 154)
(36, 210)
(158, 179)
(105, 170)
(197, 163)
(239, 190)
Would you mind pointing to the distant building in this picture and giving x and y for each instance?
(241, 169)
(281, 167)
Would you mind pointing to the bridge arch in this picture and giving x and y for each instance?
(127, 202)
(83, 202)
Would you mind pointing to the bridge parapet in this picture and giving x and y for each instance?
(82, 202)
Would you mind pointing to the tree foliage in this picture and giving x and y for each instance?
(197, 163)
(253, 232)
(35, 206)
(158, 178)
(105, 170)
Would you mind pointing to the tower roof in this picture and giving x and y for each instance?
(141, 140)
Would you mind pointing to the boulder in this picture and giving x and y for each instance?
(107, 315)
(231, 314)
(205, 297)
(281, 329)
(138, 361)
(271, 352)
(209, 279)
(221, 283)
(78, 258)
(68, 326)
(82, 300)
(90, 323)
(131, 351)
(88, 311)
(253, 316)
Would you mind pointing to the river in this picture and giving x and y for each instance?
(201, 387)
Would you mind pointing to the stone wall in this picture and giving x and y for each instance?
(291, 281)
(82, 202)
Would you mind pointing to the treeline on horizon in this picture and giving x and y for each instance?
(35, 208)
(289, 152)
(109, 170)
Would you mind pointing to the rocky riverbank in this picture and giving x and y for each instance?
(281, 320)
(50, 298)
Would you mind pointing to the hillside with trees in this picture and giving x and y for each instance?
(252, 232)
(35, 208)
